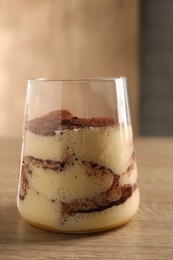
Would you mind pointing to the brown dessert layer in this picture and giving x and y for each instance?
(45, 164)
(60, 166)
(101, 202)
(24, 185)
(63, 119)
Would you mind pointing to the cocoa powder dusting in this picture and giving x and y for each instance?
(63, 119)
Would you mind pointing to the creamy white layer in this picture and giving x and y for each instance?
(77, 181)
(37, 209)
(108, 146)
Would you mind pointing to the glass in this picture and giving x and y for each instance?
(78, 166)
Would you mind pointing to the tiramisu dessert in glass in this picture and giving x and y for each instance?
(78, 167)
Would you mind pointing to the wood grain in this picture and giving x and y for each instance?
(148, 236)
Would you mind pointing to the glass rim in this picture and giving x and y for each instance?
(65, 79)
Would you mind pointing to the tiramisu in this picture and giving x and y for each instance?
(77, 174)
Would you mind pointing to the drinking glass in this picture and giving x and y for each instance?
(78, 167)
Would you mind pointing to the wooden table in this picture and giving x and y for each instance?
(148, 236)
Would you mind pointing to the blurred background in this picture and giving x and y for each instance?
(89, 38)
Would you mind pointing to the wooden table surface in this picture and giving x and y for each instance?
(148, 236)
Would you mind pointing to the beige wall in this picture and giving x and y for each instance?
(57, 38)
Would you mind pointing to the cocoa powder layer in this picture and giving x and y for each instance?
(63, 119)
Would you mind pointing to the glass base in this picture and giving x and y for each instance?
(108, 221)
(81, 232)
